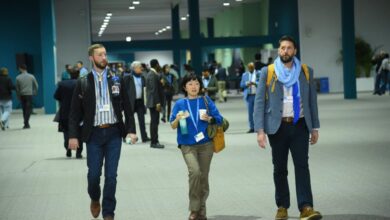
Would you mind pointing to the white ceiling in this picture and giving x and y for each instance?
(147, 18)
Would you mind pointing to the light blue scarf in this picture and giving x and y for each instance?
(290, 77)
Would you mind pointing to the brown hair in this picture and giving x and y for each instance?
(93, 47)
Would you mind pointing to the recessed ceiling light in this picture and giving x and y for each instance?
(168, 27)
(106, 20)
(107, 17)
(160, 31)
(109, 14)
(135, 2)
(183, 18)
(128, 38)
(188, 15)
(156, 33)
(164, 29)
(132, 7)
(238, 0)
(226, 4)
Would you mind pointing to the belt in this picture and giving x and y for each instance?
(106, 126)
(288, 119)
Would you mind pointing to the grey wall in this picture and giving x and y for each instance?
(73, 32)
(320, 33)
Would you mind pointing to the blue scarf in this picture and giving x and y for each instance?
(290, 77)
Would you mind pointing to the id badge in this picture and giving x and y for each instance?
(199, 137)
(105, 108)
(115, 90)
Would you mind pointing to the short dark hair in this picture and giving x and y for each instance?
(154, 63)
(23, 66)
(190, 77)
(258, 56)
(80, 62)
(74, 73)
(288, 38)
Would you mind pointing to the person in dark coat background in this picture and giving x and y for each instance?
(63, 94)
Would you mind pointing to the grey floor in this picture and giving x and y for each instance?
(349, 170)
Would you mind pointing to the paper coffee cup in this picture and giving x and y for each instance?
(202, 112)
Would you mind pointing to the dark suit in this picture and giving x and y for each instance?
(63, 94)
(154, 95)
(136, 105)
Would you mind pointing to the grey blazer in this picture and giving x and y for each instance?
(268, 112)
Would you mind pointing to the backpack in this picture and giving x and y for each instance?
(271, 69)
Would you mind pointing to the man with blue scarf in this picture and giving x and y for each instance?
(286, 111)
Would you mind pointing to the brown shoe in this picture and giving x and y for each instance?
(308, 213)
(193, 216)
(108, 218)
(281, 214)
(202, 214)
(95, 208)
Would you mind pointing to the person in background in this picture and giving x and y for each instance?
(222, 76)
(134, 85)
(258, 64)
(26, 88)
(286, 110)
(155, 100)
(83, 71)
(209, 84)
(195, 144)
(169, 82)
(6, 87)
(249, 82)
(63, 94)
(66, 74)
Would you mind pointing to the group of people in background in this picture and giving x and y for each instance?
(26, 87)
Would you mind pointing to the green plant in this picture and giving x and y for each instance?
(363, 56)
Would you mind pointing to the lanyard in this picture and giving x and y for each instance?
(197, 113)
(103, 93)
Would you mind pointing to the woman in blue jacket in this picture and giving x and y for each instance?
(191, 116)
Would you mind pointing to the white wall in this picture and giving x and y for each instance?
(72, 32)
(320, 39)
(163, 57)
(320, 33)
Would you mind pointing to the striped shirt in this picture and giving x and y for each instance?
(104, 110)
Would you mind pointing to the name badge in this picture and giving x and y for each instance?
(199, 137)
(104, 108)
(115, 90)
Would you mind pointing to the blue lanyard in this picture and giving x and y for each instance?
(197, 113)
(102, 91)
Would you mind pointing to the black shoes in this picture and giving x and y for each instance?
(158, 145)
(79, 156)
(68, 153)
(146, 140)
(26, 127)
(164, 120)
(250, 131)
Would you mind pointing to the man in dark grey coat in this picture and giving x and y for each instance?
(154, 100)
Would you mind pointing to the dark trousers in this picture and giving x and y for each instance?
(167, 107)
(26, 101)
(139, 108)
(250, 104)
(294, 138)
(154, 121)
(66, 143)
(104, 144)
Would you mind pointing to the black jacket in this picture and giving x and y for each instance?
(83, 108)
(63, 94)
(6, 88)
(129, 88)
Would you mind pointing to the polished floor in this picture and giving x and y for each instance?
(349, 170)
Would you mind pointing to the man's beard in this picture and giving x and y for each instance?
(286, 59)
(101, 65)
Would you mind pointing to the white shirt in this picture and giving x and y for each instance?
(288, 108)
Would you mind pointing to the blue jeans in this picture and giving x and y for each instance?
(250, 104)
(5, 111)
(104, 144)
(294, 138)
